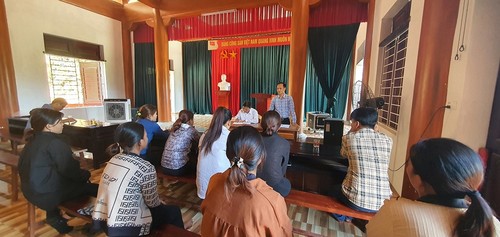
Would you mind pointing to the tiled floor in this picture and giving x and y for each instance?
(305, 221)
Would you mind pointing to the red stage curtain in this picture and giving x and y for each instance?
(338, 12)
(144, 34)
(268, 19)
(226, 61)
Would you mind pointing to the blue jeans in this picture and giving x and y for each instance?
(339, 195)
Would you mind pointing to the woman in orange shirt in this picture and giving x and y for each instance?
(237, 202)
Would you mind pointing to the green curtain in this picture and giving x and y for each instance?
(342, 92)
(314, 99)
(262, 68)
(197, 70)
(331, 51)
(145, 77)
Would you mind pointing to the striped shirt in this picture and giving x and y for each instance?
(285, 107)
(367, 181)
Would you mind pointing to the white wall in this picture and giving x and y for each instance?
(175, 53)
(360, 40)
(29, 19)
(473, 77)
(471, 82)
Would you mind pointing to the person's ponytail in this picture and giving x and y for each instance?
(270, 123)
(245, 150)
(113, 149)
(237, 177)
(477, 220)
(177, 124)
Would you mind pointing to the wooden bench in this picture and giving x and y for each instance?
(324, 203)
(70, 207)
(15, 140)
(11, 160)
(190, 179)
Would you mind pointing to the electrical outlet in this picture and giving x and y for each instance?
(453, 104)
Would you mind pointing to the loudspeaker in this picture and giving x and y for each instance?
(376, 103)
(334, 129)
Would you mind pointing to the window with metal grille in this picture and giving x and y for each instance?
(79, 81)
(393, 48)
(391, 83)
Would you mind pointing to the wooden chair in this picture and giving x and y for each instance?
(11, 160)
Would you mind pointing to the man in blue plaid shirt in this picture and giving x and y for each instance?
(283, 104)
(366, 184)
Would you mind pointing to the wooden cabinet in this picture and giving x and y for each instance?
(94, 138)
(313, 171)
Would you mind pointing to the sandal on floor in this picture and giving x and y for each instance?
(341, 218)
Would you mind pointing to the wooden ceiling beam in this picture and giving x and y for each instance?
(151, 3)
(189, 8)
(107, 8)
(138, 12)
(178, 9)
(143, 10)
(287, 4)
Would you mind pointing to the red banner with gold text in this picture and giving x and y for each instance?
(262, 41)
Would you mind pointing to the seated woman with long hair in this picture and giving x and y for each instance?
(237, 202)
(49, 173)
(212, 150)
(147, 116)
(278, 152)
(179, 155)
(127, 203)
(443, 172)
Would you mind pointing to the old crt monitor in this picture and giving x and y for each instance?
(334, 129)
(315, 119)
(117, 110)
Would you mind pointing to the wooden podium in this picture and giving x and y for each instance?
(262, 102)
(223, 98)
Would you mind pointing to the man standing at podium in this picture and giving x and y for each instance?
(283, 104)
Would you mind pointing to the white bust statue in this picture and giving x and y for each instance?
(224, 85)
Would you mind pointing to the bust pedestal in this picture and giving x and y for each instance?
(223, 98)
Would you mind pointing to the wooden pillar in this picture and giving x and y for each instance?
(8, 89)
(162, 70)
(127, 63)
(298, 54)
(368, 42)
(431, 78)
